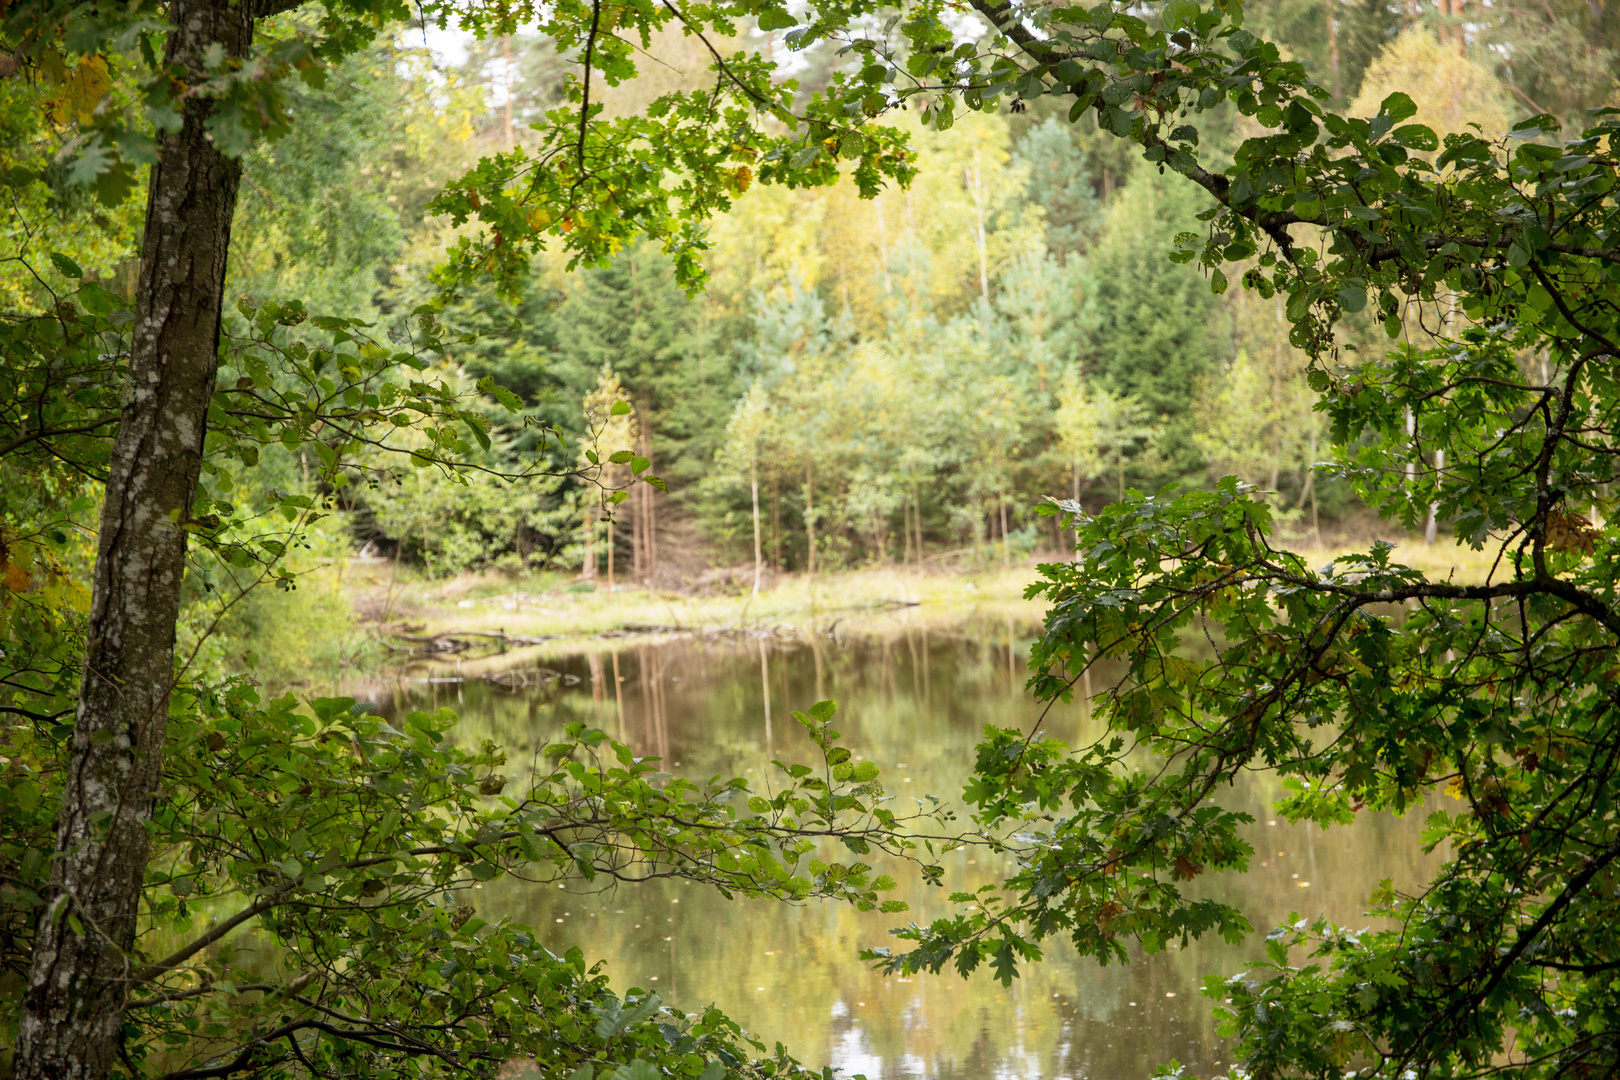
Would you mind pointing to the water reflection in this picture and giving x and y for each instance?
(914, 702)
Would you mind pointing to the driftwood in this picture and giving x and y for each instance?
(451, 642)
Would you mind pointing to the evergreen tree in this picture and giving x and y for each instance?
(1157, 330)
(632, 314)
(520, 77)
(1059, 182)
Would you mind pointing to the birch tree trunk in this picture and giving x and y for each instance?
(80, 978)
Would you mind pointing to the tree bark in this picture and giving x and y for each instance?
(79, 982)
(1006, 544)
(649, 514)
(810, 519)
(587, 569)
(759, 556)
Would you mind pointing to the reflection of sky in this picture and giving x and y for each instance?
(792, 973)
(853, 1054)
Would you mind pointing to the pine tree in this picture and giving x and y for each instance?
(632, 315)
(1059, 182)
(1158, 330)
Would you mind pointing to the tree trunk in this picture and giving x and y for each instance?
(78, 986)
(810, 518)
(916, 523)
(1076, 521)
(1432, 528)
(638, 525)
(759, 555)
(649, 528)
(1006, 544)
(905, 528)
(1333, 48)
(587, 568)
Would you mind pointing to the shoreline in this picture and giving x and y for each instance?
(552, 609)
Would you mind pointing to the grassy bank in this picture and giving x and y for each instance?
(353, 617)
(858, 600)
(869, 600)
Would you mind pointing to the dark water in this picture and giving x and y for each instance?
(914, 702)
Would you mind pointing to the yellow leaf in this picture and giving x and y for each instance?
(81, 92)
(17, 579)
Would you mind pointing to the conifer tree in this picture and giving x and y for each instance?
(632, 315)
(1158, 330)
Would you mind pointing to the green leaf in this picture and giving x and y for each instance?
(620, 408)
(1180, 13)
(776, 19)
(1069, 72)
(639, 1069)
(66, 266)
(1397, 107)
(1416, 136)
(96, 300)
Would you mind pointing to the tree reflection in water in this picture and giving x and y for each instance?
(915, 702)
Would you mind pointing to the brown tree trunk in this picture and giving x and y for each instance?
(916, 523)
(638, 524)
(78, 986)
(905, 529)
(649, 527)
(1006, 544)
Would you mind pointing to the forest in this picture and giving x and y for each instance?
(903, 378)
(1204, 320)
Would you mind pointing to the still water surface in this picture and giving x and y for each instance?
(915, 702)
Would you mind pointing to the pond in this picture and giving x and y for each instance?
(914, 700)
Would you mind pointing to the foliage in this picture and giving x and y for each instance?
(355, 846)
(1363, 684)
